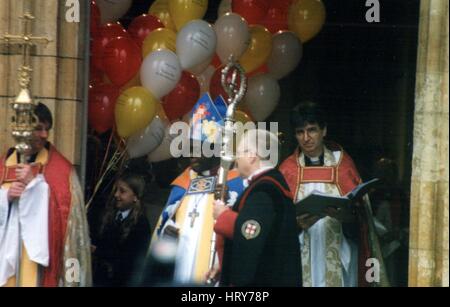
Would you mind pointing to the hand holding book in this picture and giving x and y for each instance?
(321, 205)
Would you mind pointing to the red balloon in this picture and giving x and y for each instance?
(276, 19)
(215, 85)
(182, 98)
(282, 4)
(95, 75)
(216, 62)
(142, 25)
(121, 60)
(95, 22)
(102, 100)
(253, 11)
(105, 34)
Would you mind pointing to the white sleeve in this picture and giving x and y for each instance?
(4, 208)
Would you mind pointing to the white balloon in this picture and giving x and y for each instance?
(162, 152)
(224, 7)
(200, 68)
(233, 36)
(286, 54)
(196, 43)
(262, 96)
(147, 140)
(204, 79)
(160, 72)
(112, 10)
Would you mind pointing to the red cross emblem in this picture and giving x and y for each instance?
(250, 229)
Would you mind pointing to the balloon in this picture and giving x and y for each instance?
(306, 18)
(224, 7)
(161, 38)
(262, 96)
(276, 18)
(182, 98)
(259, 50)
(196, 43)
(141, 26)
(95, 19)
(160, 72)
(183, 11)
(200, 68)
(263, 69)
(105, 34)
(135, 81)
(160, 9)
(121, 60)
(112, 10)
(233, 36)
(204, 78)
(95, 75)
(216, 62)
(135, 109)
(242, 117)
(147, 140)
(162, 152)
(102, 100)
(286, 54)
(216, 88)
(252, 10)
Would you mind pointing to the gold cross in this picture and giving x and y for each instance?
(27, 40)
(24, 121)
(193, 215)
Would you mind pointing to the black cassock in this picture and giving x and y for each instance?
(265, 250)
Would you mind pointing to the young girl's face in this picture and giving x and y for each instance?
(125, 197)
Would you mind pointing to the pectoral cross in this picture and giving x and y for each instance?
(193, 215)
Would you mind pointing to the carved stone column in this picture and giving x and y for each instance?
(428, 260)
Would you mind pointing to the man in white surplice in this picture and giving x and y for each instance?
(328, 245)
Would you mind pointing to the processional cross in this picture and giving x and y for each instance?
(23, 122)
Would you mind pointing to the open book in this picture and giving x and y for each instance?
(316, 202)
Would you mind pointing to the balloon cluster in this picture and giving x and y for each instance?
(152, 73)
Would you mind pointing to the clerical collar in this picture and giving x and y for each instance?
(255, 174)
(314, 161)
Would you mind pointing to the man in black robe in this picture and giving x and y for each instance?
(261, 246)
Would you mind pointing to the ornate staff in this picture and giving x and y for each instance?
(235, 93)
(23, 121)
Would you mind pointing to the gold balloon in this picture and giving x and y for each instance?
(242, 117)
(259, 50)
(183, 11)
(161, 38)
(135, 109)
(306, 18)
(160, 9)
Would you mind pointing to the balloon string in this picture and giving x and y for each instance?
(106, 153)
(116, 159)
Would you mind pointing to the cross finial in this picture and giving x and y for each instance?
(26, 40)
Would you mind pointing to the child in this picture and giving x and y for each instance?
(124, 235)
